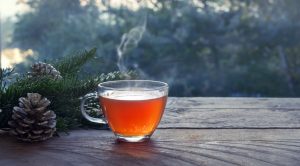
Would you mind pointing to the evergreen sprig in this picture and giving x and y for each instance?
(72, 63)
(64, 94)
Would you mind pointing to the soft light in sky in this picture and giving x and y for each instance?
(14, 56)
(9, 8)
(11, 56)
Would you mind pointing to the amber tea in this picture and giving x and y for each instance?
(133, 113)
(132, 108)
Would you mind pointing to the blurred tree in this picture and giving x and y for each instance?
(6, 32)
(200, 47)
(55, 28)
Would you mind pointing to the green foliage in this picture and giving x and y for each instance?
(200, 47)
(64, 94)
(72, 64)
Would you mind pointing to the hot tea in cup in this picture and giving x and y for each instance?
(132, 108)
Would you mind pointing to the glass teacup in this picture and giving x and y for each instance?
(132, 108)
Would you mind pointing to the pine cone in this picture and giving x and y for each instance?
(92, 107)
(43, 69)
(31, 120)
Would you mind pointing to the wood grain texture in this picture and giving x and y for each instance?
(230, 118)
(200, 112)
(233, 102)
(193, 131)
(167, 147)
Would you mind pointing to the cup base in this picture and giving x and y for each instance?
(132, 138)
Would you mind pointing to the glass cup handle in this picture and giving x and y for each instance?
(83, 111)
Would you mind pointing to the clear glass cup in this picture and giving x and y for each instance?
(132, 108)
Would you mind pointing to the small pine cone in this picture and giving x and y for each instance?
(31, 120)
(92, 107)
(44, 69)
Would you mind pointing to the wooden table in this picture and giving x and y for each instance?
(193, 131)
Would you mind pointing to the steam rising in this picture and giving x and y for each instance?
(129, 41)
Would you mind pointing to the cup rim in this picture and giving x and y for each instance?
(162, 85)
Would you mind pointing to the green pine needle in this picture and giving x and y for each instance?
(64, 94)
(72, 64)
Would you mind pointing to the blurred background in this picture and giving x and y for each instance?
(200, 47)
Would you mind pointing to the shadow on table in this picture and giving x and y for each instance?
(141, 150)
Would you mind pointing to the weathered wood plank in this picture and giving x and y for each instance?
(198, 112)
(230, 118)
(189, 145)
(233, 102)
(167, 147)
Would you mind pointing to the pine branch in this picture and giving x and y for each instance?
(6, 75)
(72, 64)
(64, 95)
